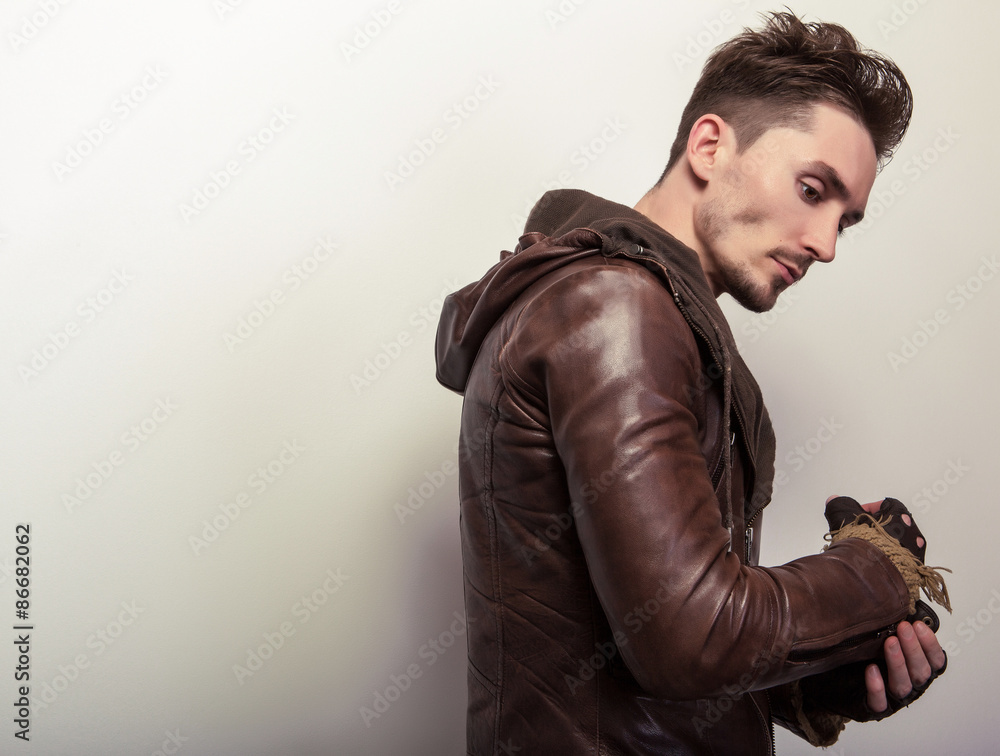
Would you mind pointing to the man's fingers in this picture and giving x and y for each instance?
(917, 666)
(910, 656)
(931, 646)
(877, 700)
(899, 674)
(908, 521)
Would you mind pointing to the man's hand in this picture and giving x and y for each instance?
(913, 658)
(842, 510)
(906, 533)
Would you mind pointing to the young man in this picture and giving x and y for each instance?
(617, 454)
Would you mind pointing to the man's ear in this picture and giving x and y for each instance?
(704, 145)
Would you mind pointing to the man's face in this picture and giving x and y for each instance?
(770, 212)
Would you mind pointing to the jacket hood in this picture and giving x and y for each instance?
(578, 224)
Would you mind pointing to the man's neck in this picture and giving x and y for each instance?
(671, 205)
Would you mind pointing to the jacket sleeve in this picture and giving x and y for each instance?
(608, 355)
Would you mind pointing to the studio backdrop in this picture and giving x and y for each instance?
(229, 488)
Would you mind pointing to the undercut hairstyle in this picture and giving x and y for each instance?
(773, 77)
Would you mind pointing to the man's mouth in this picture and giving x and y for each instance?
(789, 272)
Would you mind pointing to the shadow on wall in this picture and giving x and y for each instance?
(415, 702)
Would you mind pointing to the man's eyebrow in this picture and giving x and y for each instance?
(832, 178)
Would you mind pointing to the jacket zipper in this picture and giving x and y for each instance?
(767, 723)
(857, 640)
(749, 533)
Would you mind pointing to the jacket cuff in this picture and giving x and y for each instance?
(915, 573)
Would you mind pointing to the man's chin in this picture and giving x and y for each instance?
(754, 294)
(758, 300)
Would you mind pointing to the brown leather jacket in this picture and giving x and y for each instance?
(616, 457)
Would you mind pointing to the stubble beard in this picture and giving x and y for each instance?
(717, 219)
(750, 292)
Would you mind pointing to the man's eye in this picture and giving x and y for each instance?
(810, 193)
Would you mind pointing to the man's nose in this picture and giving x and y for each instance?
(820, 241)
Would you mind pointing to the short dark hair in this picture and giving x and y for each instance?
(773, 77)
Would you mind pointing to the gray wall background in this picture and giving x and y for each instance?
(220, 415)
